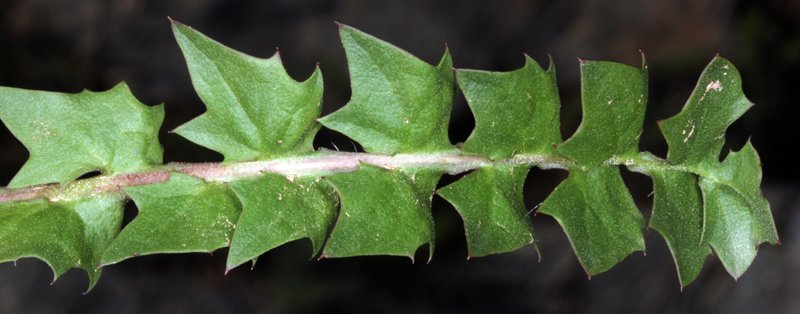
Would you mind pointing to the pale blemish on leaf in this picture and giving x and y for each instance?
(712, 86)
(715, 85)
(691, 132)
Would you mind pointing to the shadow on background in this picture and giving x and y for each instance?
(60, 46)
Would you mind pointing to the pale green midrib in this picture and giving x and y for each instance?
(321, 163)
(642, 165)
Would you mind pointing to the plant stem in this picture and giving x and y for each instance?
(321, 163)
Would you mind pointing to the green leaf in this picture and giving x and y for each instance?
(678, 217)
(263, 121)
(184, 214)
(69, 135)
(490, 202)
(399, 104)
(63, 235)
(598, 214)
(383, 212)
(515, 112)
(614, 98)
(255, 110)
(696, 134)
(737, 216)
(276, 210)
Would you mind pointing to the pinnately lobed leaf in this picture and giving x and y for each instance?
(273, 187)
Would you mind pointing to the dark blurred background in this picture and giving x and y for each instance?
(71, 45)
